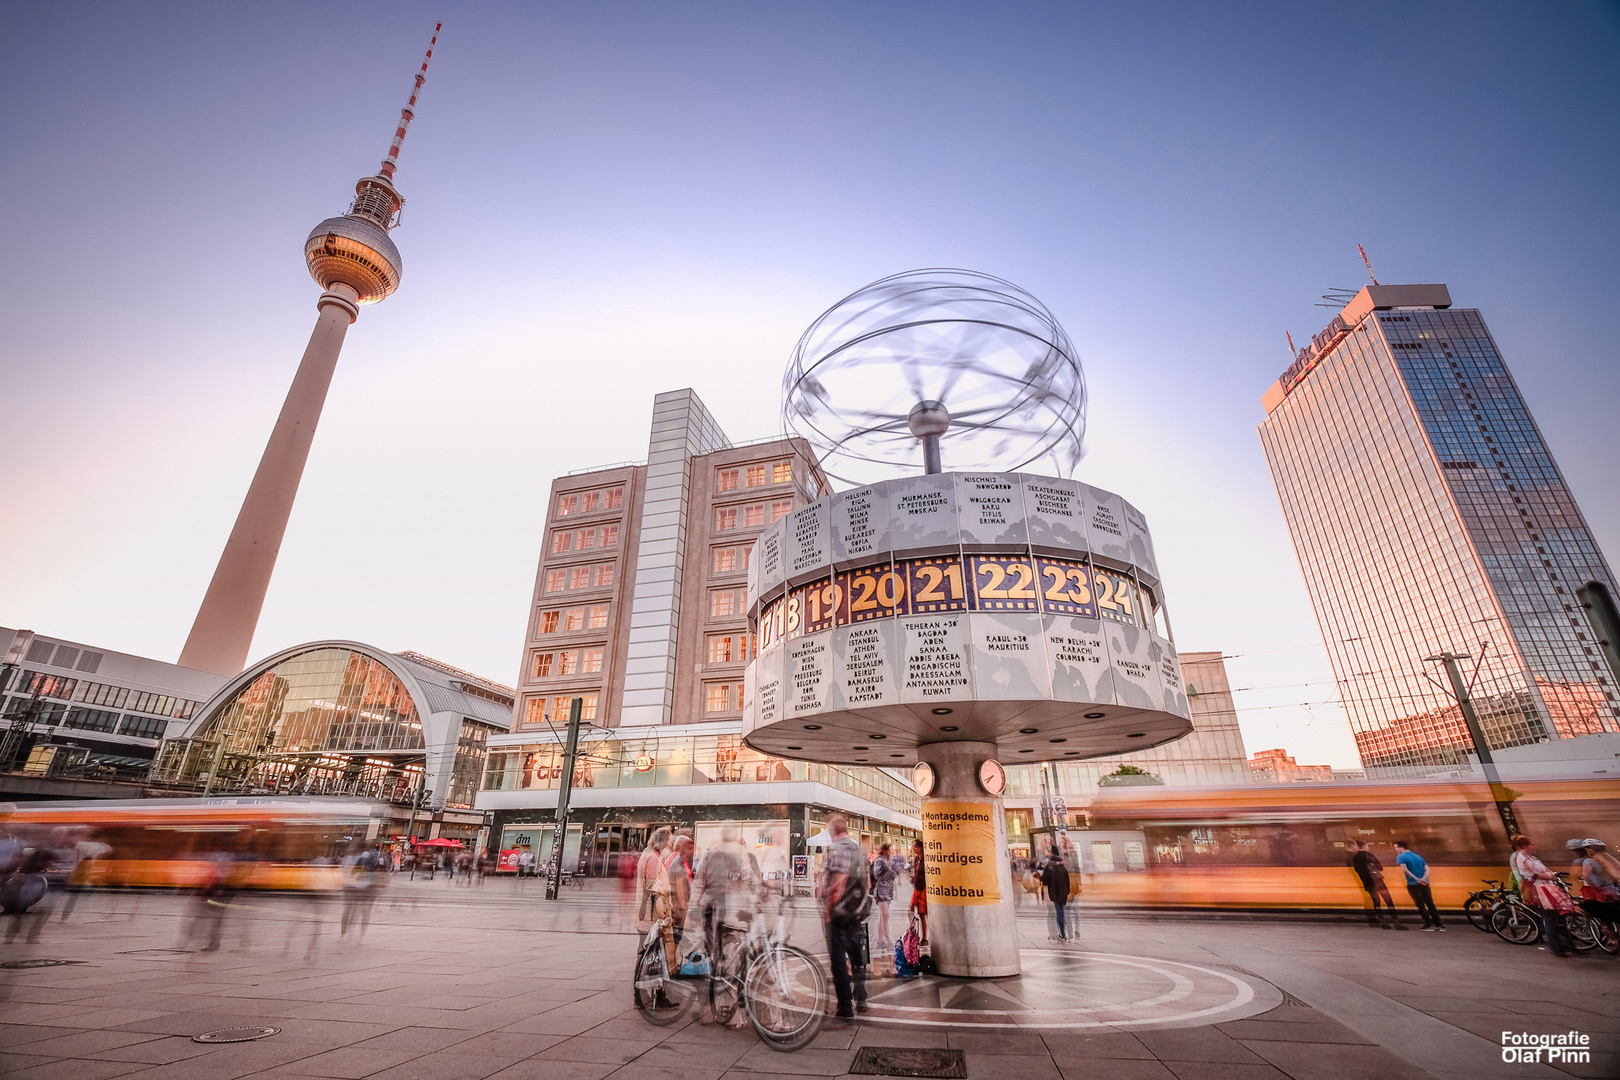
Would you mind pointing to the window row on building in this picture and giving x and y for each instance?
(597, 536)
(729, 648)
(722, 697)
(780, 472)
(590, 502)
(569, 620)
(51, 714)
(573, 578)
(731, 560)
(540, 711)
(586, 661)
(752, 515)
(113, 697)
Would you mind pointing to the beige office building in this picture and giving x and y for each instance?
(639, 609)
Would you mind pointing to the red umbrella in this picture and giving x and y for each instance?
(441, 842)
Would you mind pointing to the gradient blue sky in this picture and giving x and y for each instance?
(608, 200)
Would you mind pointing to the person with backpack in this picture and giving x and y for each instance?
(1371, 873)
(848, 900)
(1055, 878)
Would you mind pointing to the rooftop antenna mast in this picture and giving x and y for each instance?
(1364, 260)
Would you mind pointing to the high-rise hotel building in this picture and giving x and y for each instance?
(640, 610)
(1428, 515)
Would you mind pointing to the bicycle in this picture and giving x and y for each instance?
(1605, 931)
(1482, 902)
(780, 986)
(1520, 924)
(1515, 921)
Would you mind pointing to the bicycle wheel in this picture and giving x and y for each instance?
(658, 997)
(1516, 923)
(785, 993)
(1582, 931)
(1608, 935)
(1478, 909)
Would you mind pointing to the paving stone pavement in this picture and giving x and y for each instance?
(457, 983)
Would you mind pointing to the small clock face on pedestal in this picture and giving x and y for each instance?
(923, 779)
(992, 777)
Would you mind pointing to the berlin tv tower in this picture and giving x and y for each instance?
(352, 258)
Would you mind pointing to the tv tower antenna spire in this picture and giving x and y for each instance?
(353, 259)
(408, 113)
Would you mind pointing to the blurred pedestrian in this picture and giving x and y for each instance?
(652, 891)
(727, 888)
(678, 866)
(1417, 885)
(210, 901)
(23, 891)
(1371, 873)
(847, 895)
(1599, 875)
(1055, 879)
(883, 878)
(919, 888)
(362, 877)
(1542, 891)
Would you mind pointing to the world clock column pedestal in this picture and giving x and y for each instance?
(972, 915)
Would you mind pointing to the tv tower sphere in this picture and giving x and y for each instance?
(354, 261)
(354, 250)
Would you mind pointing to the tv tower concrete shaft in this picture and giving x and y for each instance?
(353, 259)
(223, 632)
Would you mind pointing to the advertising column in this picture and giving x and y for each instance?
(972, 925)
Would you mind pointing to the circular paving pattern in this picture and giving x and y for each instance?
(1076, 990)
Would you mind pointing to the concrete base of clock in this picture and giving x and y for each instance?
(972, 914)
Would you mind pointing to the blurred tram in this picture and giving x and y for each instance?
(1288, 846)
(181, 843)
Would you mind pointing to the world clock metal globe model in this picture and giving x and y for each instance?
(986, 362)
(960, 621)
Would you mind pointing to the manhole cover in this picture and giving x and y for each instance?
(241, 1034)
(39, 963)
(908, 1061)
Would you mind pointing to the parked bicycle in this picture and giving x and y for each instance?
(1481, 903)
(1520, 924)
(780, 986)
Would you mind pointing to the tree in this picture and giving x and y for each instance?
(1128, 774)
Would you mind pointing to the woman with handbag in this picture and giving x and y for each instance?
(653, 889)
(1542, 891)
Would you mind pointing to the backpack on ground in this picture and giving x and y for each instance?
(903, 969)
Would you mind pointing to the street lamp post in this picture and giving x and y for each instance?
(1476, 735)
(565, 788)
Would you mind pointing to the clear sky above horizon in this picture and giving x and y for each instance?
(609, 200)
